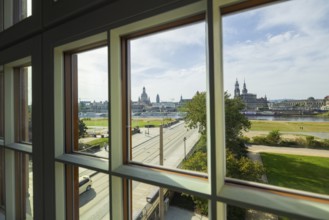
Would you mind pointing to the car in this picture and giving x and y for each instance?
(85, 183)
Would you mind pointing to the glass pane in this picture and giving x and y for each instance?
(93, 195)
(167, 88)
(1, 105)
(24, 8)
(176, 205)
(275, 70)
(93, 102)
(23, 86)
(2, 183)
(24, 181)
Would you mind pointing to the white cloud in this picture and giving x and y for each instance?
(291, 60)
(93, 75)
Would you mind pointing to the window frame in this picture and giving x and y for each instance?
(126, 91)
(238, 192)
(19, 103)
(11, 104)
(67, 159)
(2, 97)
(71, 95)
(219, 190)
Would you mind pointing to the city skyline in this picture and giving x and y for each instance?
(275, 49)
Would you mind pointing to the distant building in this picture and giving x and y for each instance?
(144, 99)
(250, 100)
(183, 101)
(309, 104)
(158, 99)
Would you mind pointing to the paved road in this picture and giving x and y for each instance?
(288, 150)
(94, 204)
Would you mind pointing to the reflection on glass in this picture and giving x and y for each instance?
(93, 102)
(237, 213)
(93, 194)
(24, 181)
(176, 205)
(275, 70)
(24, 8)
(1, 105)
(2, 183)
(23, 88)
(167, 85)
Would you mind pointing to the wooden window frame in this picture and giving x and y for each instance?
(126, 82)
(71, 108)
(126, 106)
(22, 183)
(71, 95)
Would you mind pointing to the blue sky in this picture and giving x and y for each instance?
(281, 50)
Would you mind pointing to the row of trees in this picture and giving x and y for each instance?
(238, 165)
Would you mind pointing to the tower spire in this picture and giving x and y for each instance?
(244, 90)
(236, 89)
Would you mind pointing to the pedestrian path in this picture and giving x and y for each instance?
(289, 150)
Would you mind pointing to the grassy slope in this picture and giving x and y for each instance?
(297, 172)
(289, 126)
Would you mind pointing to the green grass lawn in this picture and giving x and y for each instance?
(135, 122)
(98, 141)
(96, 122)
(260, 125)
(297, 172)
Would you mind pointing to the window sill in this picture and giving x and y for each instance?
(174, 181)
(88, 162)
(274, 200)
(25, 148)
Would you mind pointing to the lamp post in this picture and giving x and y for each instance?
(184, 148)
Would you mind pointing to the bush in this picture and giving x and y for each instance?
(309, 140)
(274, 137)
(289, 142)
(259, 140)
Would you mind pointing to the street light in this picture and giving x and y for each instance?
(184, 147)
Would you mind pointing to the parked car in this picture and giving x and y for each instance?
(85, 183)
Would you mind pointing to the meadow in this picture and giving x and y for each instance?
(289, 126)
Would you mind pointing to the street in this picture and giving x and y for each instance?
(94, 204)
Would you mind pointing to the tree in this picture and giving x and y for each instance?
(196, 112)
(82, 128)
(237, 164)
(235, 122)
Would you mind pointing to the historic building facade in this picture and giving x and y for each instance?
(309, 104)
(250, 100)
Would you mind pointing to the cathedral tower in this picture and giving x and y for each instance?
(244, 90)
(237, 89)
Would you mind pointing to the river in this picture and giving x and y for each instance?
(289, 118)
